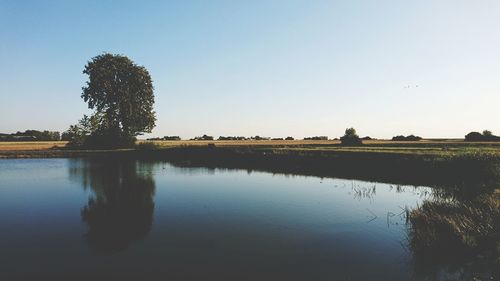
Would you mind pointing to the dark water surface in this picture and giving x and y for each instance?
(67, 219)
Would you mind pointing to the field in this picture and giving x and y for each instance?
(424, 147)
(30, 145)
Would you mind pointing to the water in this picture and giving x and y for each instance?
(94, 219)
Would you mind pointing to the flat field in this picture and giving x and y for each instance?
(425, 147)
(431, 147)
(30, 145)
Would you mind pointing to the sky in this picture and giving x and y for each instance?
(263, 67)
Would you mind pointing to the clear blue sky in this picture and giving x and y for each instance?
(269, 68)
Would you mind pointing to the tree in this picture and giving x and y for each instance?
(350, 137)
(121, 94)
(407, 138)
(485, 136)
(79, 134)
(474, 136)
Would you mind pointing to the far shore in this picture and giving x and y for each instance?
(451, 163)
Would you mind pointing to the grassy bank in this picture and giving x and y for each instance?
(471, 169)
(459, 235)
(445, 163)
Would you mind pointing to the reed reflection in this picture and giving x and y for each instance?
(120, 209)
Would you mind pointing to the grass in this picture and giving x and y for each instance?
(425, 147)
(462, 235)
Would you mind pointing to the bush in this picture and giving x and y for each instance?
(231, 138)
(350, 138)
(31, 135)
(485, 136)
(204, 137)
(317, 138)
(172, 138)
(259, 138)
(407, 138)
(289, 138)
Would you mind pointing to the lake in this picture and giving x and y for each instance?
(67, 219)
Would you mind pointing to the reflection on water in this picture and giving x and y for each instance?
(151, 220)
(120, 211)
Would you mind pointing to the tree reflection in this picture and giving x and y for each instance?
(120, 210)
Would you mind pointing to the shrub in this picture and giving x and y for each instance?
(289, 138)
(172, 138)
(259, 138)
(350, 138)
(231, 138)
(317, 138)
(407, 138)
(485, 136)
(204, 137)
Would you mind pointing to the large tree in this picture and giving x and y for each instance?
(121, 94)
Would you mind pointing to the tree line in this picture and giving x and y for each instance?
(485, 136)
(32, 135)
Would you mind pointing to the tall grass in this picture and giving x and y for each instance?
(461, 235)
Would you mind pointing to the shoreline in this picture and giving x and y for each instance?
(462, 171)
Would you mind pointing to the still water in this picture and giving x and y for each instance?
(67, 219)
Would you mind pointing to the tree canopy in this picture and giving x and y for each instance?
(121, 95)
(350, 137)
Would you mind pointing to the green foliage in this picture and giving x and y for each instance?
(204, 137)
(32, 135)
(350, 138)
(121, 93)
(79, 134)
(316, 138)
(468, 224)
(485, 136)
(407, 138)
(231, 138)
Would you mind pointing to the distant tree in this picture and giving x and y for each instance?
(474, 136)
(407, 138)
(413, 138)
(121, 93)
(350, 138)
(317, 138)
(277, 139)
(35, 135)
(204, 137)
(487, 133)
(231, 138)
(289, 138)
(172, 138)
(259, 138)
(485, 136)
